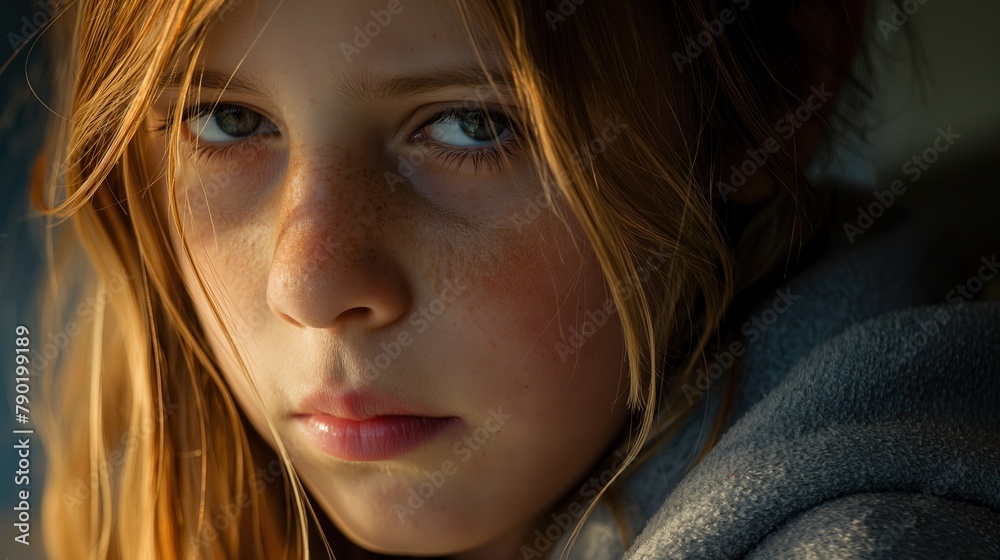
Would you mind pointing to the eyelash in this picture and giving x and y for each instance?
(490, 156)
(207, 153)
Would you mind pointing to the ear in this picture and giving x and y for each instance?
(832, 32)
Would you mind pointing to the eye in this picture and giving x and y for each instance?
(469, 128)
(223, 124)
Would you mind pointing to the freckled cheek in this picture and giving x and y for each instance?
(533, 298)
(224, 245)
(245, 321)
(232, 265)
(231, 190)
(223, 231)
(230, 262)
(239, 330)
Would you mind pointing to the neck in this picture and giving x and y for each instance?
(516, 544)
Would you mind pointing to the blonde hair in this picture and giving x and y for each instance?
(135, 474)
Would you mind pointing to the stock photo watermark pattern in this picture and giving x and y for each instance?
(463, 450)
(914, 168)
(786, 127)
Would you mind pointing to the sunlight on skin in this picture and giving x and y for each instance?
(431, 294)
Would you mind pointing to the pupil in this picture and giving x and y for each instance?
(237, 121)
(478, 126)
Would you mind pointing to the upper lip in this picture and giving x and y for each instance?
(357, 405)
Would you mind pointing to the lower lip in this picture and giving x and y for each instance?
(375, 439)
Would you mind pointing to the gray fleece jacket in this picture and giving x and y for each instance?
(867, 425)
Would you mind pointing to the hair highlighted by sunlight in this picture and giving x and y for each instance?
(150, 456)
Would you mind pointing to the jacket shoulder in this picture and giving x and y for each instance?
(885, 526)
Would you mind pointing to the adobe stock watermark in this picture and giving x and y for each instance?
(914, 168)
(259, 480)
(785, 127)
(83, 488)
(899, 17)
(695, 45)
(565, 9)
(230, 5)
(564, 521)
(463, 450)
(594, 319)
(364, 34)
(206, 190)
(483, 94)
(406, 166)
(962, 293)
(583, 156)
(31, 25)
(245, 322)
(534, 208)
(420, 320)
(751, 330)
(613, 129)
(902, 527)
(84, 315)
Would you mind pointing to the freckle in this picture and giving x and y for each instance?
(434, 36)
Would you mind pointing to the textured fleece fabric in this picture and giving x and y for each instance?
(867, 425)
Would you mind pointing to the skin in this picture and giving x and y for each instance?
(315, 263)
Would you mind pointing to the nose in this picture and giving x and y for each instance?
(331, 268)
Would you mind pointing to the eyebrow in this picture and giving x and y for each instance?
(206, 78)
(363, 86)
(358, 87)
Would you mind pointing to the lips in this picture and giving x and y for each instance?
(364, 426)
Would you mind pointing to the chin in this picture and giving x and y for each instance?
(424, 533)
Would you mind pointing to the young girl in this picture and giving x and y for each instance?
(486, 279)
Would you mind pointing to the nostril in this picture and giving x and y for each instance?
(287, 317)
(358, 314)
(336, 293)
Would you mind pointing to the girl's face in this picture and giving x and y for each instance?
(432, 345)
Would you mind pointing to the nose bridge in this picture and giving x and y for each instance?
(309, 245)
(328, 263)
(322, 211)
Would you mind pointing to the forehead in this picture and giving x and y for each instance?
(341, 41)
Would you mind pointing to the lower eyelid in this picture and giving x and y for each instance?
(490, 156)
(247, 150)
